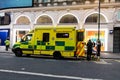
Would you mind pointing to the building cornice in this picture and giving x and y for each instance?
(57, 8)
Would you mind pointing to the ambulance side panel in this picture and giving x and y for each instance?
(49, 41)
(44, 41)
(65, 41)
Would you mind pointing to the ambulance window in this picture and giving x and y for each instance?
(26, 37)
(29, 36)
(62, 35)
(45, 37)
(80, 36)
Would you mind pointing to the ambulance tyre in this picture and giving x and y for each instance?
(57, 55)
(28, 55)
(18, 52)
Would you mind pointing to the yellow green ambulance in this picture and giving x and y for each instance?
(59, 41)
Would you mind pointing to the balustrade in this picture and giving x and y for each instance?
(71, 2)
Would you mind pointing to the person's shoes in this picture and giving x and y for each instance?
(98, 58)
(88, 59)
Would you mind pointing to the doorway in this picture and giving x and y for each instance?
(4, 34)
(116, 40)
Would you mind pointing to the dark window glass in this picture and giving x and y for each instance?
(45, 37)
(92, 19)
(5, 19)
(28, 37)
(62, 35)
(80, 36)
(117, 0)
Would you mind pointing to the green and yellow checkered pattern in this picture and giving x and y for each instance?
(59, 45)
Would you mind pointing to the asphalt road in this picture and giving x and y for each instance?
(40, 68)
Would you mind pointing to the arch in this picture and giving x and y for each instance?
(95, 13)
(23, 19)
(67, 18)
(44, 19)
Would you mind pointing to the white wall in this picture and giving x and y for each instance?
(80, 15)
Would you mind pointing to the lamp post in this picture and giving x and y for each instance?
(98, 42)
(99, 21)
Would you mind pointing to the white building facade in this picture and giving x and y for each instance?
(82, 16)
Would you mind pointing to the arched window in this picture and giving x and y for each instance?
(23, 20)
(68, 19)
(44, 20)
(94, 19)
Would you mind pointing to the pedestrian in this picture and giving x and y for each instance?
(7, 44)
(98, 49)
(89, 49)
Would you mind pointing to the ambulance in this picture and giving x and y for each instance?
(59, 41)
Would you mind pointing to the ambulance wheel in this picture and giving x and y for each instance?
(57, 55)
(28, 55)
(18, 52)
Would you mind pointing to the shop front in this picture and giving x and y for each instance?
(93, 35)
(4, 34)
(18, 32)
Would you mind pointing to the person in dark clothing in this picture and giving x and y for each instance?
(89, 49)
(98, 49)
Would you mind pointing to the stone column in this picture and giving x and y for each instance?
(11, 28)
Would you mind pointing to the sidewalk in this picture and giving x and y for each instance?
(104, 55)
(2, 50)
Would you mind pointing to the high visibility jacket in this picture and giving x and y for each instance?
(7, 42)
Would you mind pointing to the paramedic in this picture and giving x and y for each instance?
(7, 44)
(89, 49)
